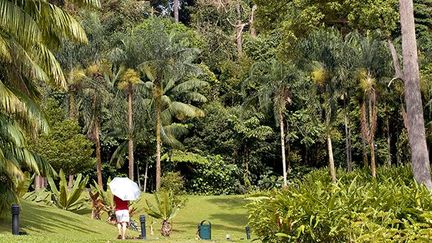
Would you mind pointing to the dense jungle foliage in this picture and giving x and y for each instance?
(227, 97)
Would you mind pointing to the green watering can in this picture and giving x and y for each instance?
(204, 230)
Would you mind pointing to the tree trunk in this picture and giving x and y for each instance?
(239, 31)
(288, 150)
(373, 165)
(396, 64)
(282, 138)
(251, 22)
(39, 182)
(365, 154)
(145, 177)
(70, 182)
(332, 168)
(348, 143)
(72, 107)
(98, 154)
(176, 10)
(158, 145)
(389, 157)
(246, 167)
(372, 127)
(130, 134)
(138, 174)
(411, 76)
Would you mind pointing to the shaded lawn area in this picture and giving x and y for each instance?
(47, 224)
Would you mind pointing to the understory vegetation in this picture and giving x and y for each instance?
(390, 208)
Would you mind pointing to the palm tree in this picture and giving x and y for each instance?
(274, 81)
(127, 61)
(411, 77)
(328, 54)
(372, 66)
(171, 75)
(128, 80)
(94, 98)
(29, 31)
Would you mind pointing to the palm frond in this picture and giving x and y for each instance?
(19, 23)
(87, 3)
(195, 96)
(183, 111)
(5, 54)
(49, 63)
(55, 21)
(119, 155)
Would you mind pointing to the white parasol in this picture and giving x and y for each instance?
(124, 188)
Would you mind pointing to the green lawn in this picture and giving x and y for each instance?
(48, 224)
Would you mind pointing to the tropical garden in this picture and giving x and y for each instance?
(307, 121)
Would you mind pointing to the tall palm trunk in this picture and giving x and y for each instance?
(331, 164)
(348, 143)
(130, 133)
(372, 128)
(176, 10)
(332, 168)
(251, 21)
(373, 165)
(282, 138)
(158, 145)
(389, 156)
(411, 76)
(145, 177)
(365, 154)
(73, 114)
(98, 154)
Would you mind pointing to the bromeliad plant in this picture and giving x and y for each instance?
(166, 209)
(63, 198)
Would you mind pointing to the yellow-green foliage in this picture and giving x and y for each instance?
(392, 208)
(367, 82)
(319, 75)
(130, 76)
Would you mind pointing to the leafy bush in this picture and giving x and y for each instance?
(355, 209)
(214, 178)
(173, 181)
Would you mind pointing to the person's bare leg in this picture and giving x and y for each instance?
(124, 226)
(119, 227)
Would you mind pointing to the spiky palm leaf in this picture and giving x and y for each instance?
(29, 30)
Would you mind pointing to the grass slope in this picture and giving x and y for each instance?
(48, 224)
(226, 214)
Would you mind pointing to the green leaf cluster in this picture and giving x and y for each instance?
(64, 198)
(355, 209)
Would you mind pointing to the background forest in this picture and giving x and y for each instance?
(228, 96)
(250, 80)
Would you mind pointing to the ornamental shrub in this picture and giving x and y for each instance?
(214, 178)
(355, 209)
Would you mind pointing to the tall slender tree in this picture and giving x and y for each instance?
(411, 77)
(273, 80)
(128, 80)
(172, 85)
(95, 95)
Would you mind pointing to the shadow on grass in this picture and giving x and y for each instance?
(43, 219)
(237, 202)
(192, 227)
(238, 219)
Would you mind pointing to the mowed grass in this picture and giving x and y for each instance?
(48, 224)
